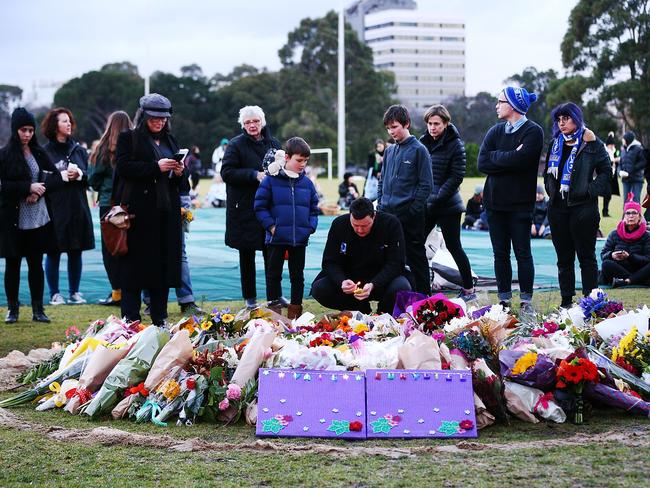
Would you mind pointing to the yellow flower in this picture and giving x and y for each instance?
(206, 325)
(170, 389)
(524, 363)
(359, 328)
(226, 318)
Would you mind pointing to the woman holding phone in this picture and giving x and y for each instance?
(26, 176)
(73, 225)
(149, 169)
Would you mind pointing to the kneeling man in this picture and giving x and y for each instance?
(363, 260)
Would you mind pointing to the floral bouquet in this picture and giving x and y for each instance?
(220, 323)
(433, 313)
(187, 217)
(489, 388)
(528, 368)
(129, 371)
(598, 306)
(632, 352)
(161, 401)
(573, 374)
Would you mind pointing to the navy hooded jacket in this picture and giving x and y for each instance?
(291, 204)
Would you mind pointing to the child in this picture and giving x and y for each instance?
(405, 186)
(286, 204)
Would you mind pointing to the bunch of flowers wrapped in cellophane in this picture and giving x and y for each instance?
(573, 374)
(632, 353)
(162, 402)
(431, 314)
(597, 305)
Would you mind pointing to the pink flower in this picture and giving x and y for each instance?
(224, 404)
(233, 392)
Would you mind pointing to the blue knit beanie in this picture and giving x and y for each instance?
(519, 98)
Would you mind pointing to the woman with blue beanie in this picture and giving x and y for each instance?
(574, 156)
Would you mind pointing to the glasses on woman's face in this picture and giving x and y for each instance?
(252, 122)
(631, 212)
(563, 119)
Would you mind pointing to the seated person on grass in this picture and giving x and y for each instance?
(363, 260)
(626, 254)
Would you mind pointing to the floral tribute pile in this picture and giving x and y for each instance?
(205, 368)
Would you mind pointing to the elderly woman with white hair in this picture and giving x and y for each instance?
(242, 172)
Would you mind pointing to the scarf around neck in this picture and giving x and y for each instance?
(556, 156)
(631, 236)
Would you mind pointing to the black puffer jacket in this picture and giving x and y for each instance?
(70, 213)
(633, 161)
(241, 163)
(639, 250)
(448, 162)
(592, 158)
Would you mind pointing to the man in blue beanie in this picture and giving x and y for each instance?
(509, 156)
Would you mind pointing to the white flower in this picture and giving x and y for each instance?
(457, 323)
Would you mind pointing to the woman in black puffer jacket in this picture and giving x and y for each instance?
(445, 206)
(242, 171)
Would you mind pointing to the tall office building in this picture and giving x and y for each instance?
(426, 53)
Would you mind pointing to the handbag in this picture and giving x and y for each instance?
(114, 225)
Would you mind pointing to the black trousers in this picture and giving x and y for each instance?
(131, 302)
(416, 256)
(619, 269)
(450, 226)
(247, 272)
(110, 261)
(274, 265)
(574, 232)
(35, 277)
(330, 295)
(508, 228)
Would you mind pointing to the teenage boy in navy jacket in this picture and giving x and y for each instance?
(286, 204)
(405, 186)
(509, 156)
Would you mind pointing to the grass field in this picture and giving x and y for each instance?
(56, 449)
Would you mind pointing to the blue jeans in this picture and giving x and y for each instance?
(52, 262)
(635, 188)
(507, 228)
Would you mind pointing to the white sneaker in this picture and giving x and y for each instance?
(76, 299)
(57, 299)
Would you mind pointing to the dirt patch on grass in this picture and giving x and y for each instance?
(637, 437)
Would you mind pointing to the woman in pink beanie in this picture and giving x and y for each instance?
(626, 255)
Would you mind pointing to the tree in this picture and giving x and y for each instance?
(608, 41)
(10, 96)
(473, 116)
(308, 84)
(96, 94)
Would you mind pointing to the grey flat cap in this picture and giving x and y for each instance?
(155, 105)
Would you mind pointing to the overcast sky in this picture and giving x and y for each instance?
(54, 41)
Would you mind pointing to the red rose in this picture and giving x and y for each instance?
(190, 383)
(356, 426)
(466, 425)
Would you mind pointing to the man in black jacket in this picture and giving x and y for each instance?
(363, 260)
(509, 156)
(632, 166)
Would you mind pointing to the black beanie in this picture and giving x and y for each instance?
(629, 136)
(21, 118)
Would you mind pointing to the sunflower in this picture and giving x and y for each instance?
(226, 318)
(524, 363)
(206, 325)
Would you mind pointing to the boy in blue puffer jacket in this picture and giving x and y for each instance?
(286, 204)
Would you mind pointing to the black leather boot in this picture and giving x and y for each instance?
(13, 307)
(38, 314)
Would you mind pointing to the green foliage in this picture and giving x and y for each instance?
(473, 116)
(471, 151)
(608, 41)
(9, 95)
(538, 82)
(96, 94)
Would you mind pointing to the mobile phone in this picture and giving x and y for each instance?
(180, 155)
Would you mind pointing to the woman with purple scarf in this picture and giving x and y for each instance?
(574, 156)
(626, 255)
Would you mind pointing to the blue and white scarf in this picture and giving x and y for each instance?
(556, 155)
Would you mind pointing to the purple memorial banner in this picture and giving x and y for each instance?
(305, 403)
(425, 403)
